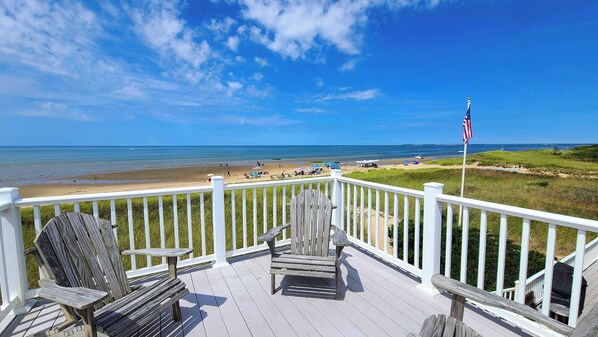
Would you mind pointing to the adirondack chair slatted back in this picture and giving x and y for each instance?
(80, 250)
(311, 215)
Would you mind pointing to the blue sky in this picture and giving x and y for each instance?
(253, 72)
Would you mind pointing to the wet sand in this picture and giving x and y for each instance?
(180, 177)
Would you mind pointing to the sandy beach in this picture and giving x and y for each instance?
(181, 177)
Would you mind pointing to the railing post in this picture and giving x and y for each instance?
(432, 234)
(12, 253)
(218, 222)
(337, 198)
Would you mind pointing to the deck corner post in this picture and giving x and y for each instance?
(337, 197)
(13, 272)
(218, 222)
(432, 234)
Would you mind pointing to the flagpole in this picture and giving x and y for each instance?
(463, 171)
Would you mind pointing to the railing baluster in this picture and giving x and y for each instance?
(361, 211)
(395, 226)
(37, 219)
(189, 225)
(325, 189)
(175, 215)
(112, 217)
(318, 186)
(56, 209)
(147, 230)
(417, 233)
(76, 207)
(342, 214)
(202, 218)
(233, 219)
(284, 210)
(96, 212)
(464, 244)
(265, 209)
(369, 216)
(385, 238)
(502, 255)
(482, 256)
(406, 229)
(525, 233)
(254, 217)
(348, 205)
(274, 213)
(131, 233)
(449, 240)
(244, 218)
(550, 245)
(378, 218)
(355, 211)
(161, 217)
(577, 274)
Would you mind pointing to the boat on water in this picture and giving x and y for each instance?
(419, 156)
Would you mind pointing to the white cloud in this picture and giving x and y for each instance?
(261, 61)
(264, 121)
(349, 65)
(233, 43)
(240, 59)
(232, 87)
(358, 95)
(221, 26)
(311, 110)
(293, 28)
(319, 82)
(58, 110)
(257, 76)
(161, 28)
(51, 37)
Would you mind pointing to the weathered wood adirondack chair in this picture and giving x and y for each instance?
(440, 325)
(311, 217)
(79, 256)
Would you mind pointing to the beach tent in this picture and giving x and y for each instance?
(405, 162)
(335, 166)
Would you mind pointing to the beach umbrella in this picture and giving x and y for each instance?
(406, 162)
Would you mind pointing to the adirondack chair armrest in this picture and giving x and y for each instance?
(339, 237)
(272, 233)
(461, 291)
(75, 297)
(159, 252)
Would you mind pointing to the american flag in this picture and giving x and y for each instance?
(467, 131)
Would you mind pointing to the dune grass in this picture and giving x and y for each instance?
(579, 161)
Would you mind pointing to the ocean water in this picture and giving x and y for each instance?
(38, 165)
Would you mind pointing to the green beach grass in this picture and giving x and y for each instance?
(572, 195)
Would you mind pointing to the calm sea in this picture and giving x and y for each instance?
(35, 165)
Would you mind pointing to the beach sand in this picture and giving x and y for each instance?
(180, 177)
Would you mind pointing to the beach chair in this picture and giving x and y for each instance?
(441, 325)
(311, 217)
(79, 258)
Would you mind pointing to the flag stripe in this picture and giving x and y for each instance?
(467, 130)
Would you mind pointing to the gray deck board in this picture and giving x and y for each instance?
(591, 276)
(376, 300)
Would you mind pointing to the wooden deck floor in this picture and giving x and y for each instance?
(377, 300)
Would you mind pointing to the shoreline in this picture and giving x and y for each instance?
(134, 180)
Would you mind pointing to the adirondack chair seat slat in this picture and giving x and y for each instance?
(80, 254)
(310, 223)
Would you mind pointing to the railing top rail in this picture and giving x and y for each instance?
(4, 206)
(109, 196)
(249, 185)
(389, 188)
(526, 213)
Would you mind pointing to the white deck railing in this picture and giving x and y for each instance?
(221, 221)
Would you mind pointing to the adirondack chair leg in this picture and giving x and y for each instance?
(90, 323)
(172, 273)
(336, 278)
(272, 279)
(457, 307)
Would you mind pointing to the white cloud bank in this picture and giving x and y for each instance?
(293, 28)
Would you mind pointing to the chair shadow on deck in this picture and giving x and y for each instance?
(315, 287)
